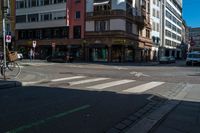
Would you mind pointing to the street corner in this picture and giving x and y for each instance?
(4, 84)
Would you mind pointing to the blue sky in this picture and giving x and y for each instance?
(191, 12)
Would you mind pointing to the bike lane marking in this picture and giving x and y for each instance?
(37, 123)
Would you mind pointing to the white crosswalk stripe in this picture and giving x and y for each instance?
(110, 84)
(67, 78)
(143, 87)
(87, 81)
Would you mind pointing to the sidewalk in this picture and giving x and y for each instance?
(185, 118)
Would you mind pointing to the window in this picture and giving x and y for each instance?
(32, 17)
(78, 15)
(147, 33)
(154, 26)
(101, 25)
(129, 27)
(77, 1)
(158, 27)
(21, 4)
(158, 14)
(154, 12)
(21, 19)
(46, 17)
(77, 32)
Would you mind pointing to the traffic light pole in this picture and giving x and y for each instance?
(4, 48)
(4, 7)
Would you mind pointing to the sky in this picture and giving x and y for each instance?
(191, 12)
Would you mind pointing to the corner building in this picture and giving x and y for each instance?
(117, 31)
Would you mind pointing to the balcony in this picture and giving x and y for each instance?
(116, 14)
(110, 34)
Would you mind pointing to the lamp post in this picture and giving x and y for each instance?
(5, 5)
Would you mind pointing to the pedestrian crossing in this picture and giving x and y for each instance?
(143, 87)
(102, 83)
(110, 84)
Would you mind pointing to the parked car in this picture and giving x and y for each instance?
(59, 57)
(172, 59)
(193, 58)
(164, 60)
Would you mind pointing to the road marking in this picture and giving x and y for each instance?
(143, 87)
(110, 84)
(67, 78)
(87, 81)
(37, 123)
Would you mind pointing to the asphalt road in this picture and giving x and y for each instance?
(68, 105)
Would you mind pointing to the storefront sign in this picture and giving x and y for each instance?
(118, 41)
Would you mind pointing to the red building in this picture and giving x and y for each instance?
(76, 23)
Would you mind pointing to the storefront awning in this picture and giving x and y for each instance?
(101, 2)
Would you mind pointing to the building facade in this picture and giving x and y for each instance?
(171, 27)
(42, 21)
(155, 25)
(117, 30)
(194, 35)
(10, 23)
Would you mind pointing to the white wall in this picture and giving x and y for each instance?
(118, 24)
(89, 26)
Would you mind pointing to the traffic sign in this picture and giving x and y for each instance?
(34, 44)
(8, 38)
(53, 44)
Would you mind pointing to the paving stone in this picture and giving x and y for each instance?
(113, 130)
(120, 126)
(127, 122)
(132, 118)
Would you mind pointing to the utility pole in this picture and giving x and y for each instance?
(4, 7)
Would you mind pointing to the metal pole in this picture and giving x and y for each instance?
(4, 48)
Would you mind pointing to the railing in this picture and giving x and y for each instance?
(118, 13)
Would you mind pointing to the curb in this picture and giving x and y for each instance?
(10, 84)
(35, 82)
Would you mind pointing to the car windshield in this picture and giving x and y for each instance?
(194, 55)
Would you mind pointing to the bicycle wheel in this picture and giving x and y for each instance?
(12, 69)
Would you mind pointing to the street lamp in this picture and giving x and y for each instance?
(5, 6)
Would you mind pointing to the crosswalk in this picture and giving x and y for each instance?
(101, 83)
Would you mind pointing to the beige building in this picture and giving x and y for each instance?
(118, 30)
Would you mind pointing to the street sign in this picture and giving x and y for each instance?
(34, 44)
(8, 38)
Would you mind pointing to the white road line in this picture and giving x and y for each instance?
(110, 84)
(143, 87)
(87, 81)
(67, 78)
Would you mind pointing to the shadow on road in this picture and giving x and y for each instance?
(49, 109)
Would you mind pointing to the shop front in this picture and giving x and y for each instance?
(98, 53)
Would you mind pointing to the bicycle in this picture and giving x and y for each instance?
(12, 68)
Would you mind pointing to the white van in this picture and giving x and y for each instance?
(193, 58)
